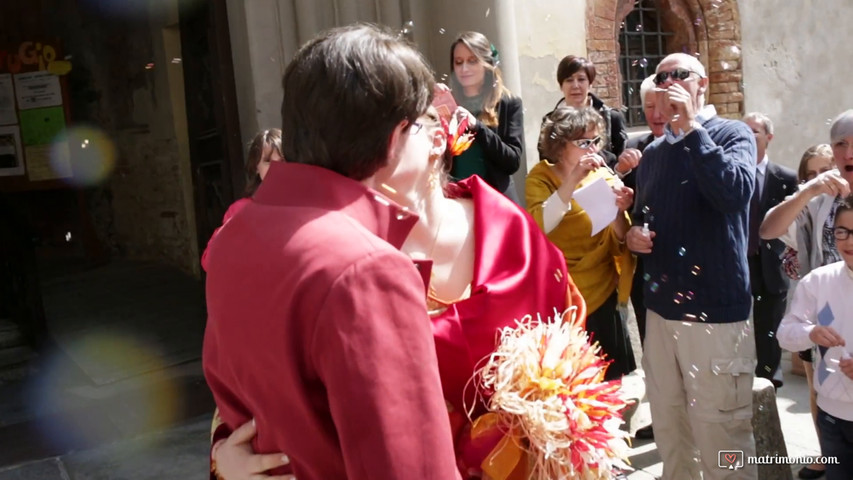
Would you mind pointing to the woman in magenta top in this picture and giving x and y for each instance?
(263, 149)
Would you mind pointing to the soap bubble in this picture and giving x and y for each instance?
(82, 155)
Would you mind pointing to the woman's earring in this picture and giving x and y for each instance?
(434, 180)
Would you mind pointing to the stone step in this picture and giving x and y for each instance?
(10, 334)
(16, 372)
(15, 355)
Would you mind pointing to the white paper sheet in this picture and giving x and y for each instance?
(599, 202)
(37, 90)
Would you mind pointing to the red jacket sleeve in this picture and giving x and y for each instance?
(374, 350)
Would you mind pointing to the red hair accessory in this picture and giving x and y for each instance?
(458, 136)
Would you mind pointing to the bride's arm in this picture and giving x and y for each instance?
(234, 458)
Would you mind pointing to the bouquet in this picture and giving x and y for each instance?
(546, 391)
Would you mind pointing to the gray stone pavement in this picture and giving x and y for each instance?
(792, 401)
(177, 453)
(180, 452)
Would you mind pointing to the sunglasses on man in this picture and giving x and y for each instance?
(586, 143)
(676, 74)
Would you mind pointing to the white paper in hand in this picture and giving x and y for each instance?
(599, 202)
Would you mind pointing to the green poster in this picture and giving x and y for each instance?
(39, 126)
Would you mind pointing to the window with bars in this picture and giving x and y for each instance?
(642, 45)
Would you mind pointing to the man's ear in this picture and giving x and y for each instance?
(703, 85)
(769, 137)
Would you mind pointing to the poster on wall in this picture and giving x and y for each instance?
(7, 101)
(37, 90)
(11, 154)
(41, 125)
(48, 162)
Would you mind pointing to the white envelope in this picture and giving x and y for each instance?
(599, 202)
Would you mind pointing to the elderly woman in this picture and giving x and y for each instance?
(575, 75)
(599, 261)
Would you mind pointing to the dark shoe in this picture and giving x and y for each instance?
(808, 473)
(646, 433)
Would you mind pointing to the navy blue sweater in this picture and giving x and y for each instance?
(694, 195)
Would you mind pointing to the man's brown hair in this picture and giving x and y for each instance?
(345, 92)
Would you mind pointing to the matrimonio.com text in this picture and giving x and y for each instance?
(735, 460)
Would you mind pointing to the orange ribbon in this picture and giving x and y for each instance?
(507, 461)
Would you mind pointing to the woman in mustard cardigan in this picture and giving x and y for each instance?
(600, 263)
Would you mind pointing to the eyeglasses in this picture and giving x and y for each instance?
(842, 233)
(676, 74)
(586, 143)
(415, 128)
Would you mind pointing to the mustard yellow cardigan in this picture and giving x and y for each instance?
(600, 263)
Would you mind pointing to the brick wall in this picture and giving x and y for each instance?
(709, 29)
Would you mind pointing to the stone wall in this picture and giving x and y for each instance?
(120, 84)
(796, 69)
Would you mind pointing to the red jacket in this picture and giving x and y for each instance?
(229, 214)
(317, 328)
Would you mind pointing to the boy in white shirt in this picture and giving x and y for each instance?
(821, 313)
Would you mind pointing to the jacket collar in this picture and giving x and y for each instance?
(306, 186)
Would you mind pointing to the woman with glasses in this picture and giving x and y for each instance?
(574, 76)
(599, 261)
(493, 114)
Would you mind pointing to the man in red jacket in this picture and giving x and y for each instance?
(317, 324)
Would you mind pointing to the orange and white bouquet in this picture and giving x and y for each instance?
(545, 388)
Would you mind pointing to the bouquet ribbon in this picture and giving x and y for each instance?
(507, 460)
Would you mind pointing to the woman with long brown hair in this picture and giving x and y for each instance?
(494, 115)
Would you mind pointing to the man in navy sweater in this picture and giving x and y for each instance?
(691, 219)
